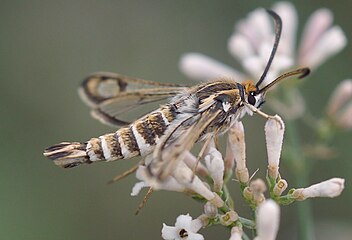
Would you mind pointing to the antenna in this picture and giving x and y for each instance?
(303, 72)
(278, 29)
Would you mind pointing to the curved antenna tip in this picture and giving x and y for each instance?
(305, 73)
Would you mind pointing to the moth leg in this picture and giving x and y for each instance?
(263, 114)
(125, 173)
(201, 154)
(144, 201)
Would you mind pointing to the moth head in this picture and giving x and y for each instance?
(251, 94)
(256, 96)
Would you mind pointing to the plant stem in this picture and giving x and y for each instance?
(305, 217)
(301, 171)
(247, 223)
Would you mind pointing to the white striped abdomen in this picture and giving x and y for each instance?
(139, 138)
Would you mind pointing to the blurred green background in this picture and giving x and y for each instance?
(48, 47)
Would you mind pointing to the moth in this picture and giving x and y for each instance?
(191, 114)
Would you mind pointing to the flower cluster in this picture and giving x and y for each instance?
(251, 43)
(211, 188)
(208, 180)
(339, 109)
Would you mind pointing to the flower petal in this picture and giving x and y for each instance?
(254, 65)
(345, 119)
(236, 233)
(137, 188)
(274, 134)
(288, 14)
(196, 225)
(185, 176)
(329, 188)
(240, 47)
(184, 221)
(316, 25)
(330, 43)
(260, 23)
(169, 232)
(193, 162)
(267, 227)
(195, 236)
(200, 67)
(169, 184)
(215, 165)
(341, 94)
(210, 210)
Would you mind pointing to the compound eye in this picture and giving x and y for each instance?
(251, 98)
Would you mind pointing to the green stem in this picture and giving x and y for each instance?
(247, 223)
(245, 237)
(304, 215)
(301, 171)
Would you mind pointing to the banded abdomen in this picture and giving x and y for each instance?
(139, 138)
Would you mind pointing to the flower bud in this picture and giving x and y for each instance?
(242, 175)
(248, 193)
(200, 67)
(215, 165)
(267, 227)
(185, 176)
(280, 187)
(236, 233)
(340, 96)
(258, 198)
(204, 219)
(345, 119)
(228, 218)
(170, 184)
(258, 185)
(329, 188)
(192, 162)
(274, 134)
(236, 151)
(210, 210)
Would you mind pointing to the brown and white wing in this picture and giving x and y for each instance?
(170, 151)
(110, 95)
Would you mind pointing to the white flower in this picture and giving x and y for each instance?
(182, 180)
(185, 176)
(236, 150)
(215, 165)
(210, 210)
(274, 134)
(185, 229)
(268, 220)
(340, 104)
(320, 39)
(229, 218)
(170, 184)
(193, 162)
(201, 67)
(236, 233)
(329, 188)
(280, 187)
(257, 188)
(252, 41)
(345, 120)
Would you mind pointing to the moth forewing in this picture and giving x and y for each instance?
(101, 86)
(168, 155)
(111, 95)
